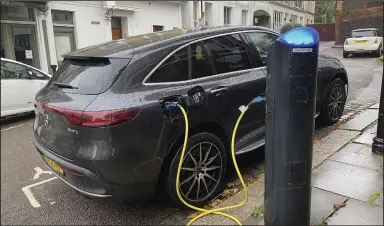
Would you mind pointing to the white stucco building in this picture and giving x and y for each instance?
(39, 32)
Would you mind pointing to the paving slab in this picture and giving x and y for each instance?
(379, 201)
(358, 155)
(325, 147)
(375, 106)
(357, 213)
(361, 121)
(366, 138)
(347, 180)
(322, 204)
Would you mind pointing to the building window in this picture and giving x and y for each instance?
(298, 4)
(244, 16)
(62, 17)
(307, 21)
(277, 20)
(227, 15)
(294, 19)
(16, 13)
(301, 20)
(157, 28)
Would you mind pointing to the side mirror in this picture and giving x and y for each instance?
(347, 36)
(31, 75)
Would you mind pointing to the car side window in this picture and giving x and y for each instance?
(11, 70)
(174, 69)
(228, 53)
(40, 76)
(200, 66)
(261, 41)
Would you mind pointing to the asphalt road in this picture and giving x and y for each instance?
(53, 202)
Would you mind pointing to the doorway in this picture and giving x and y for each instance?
(64, 42)
(18, 42)
(116, 28)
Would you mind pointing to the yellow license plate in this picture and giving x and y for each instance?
(54, 165)
(361, 42)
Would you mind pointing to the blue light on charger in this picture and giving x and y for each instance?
(300, 37)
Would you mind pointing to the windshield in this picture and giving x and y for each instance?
(87, 76)
(363, 33)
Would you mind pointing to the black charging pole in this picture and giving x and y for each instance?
(378, 141)
(290, 119)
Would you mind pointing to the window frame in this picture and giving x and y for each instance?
(28, 67)
(254, 47)
(20, 65)
(241, 33)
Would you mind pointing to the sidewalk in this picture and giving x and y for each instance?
(347, 180)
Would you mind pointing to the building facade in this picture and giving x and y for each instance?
(38, 33)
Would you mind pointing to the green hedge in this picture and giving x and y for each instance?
(287, 27)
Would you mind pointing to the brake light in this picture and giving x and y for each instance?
(94, 119)
(346, 42)
(377, 40)
(73, 117)
(108, 118)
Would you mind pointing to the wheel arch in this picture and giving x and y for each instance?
(341, 75)
(208, 127)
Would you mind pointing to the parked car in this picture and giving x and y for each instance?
(364, 41)
(19, 85)
(100, 128)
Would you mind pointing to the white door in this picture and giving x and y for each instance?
(18, 89)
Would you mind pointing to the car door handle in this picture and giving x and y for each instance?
(218, 90)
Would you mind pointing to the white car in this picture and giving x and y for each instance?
(19, 85)
(362, 41)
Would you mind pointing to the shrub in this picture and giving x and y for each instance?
(287, 27)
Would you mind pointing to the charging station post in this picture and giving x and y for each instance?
(290, 119)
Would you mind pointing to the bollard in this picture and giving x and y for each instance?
(290, 120)
(378, 141)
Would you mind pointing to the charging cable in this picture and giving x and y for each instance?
(243, 109)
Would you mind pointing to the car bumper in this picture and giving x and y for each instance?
(361, 48)
(89, 183)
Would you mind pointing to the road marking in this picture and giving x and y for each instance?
(11, 127)
(27, 191)
(39, 171)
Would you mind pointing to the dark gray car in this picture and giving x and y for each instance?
(100, 128)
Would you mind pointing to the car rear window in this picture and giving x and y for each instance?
(363, 33)
(88, 76)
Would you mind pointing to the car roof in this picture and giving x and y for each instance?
(123, 48)
(365, 29)
(25, 65)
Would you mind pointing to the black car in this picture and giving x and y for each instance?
(100, 128)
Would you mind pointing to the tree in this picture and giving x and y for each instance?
(325, 11)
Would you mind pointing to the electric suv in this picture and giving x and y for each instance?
(100, 128)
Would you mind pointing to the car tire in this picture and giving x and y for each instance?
(378, 52)
(345, 54)
(333, 103)
(190, 180)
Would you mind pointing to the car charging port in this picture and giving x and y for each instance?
(169, 106)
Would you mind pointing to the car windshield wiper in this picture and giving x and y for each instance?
(63, 85)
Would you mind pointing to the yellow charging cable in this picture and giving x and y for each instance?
(213, 211)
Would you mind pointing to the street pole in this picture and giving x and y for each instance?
(290, 122)
(378, 141)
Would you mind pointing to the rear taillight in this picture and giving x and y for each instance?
(377, 40)
(73, 117)
(346, 42)
(108, 118)
(96, 118)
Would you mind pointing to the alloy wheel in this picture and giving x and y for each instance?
(201, 171)
(336, 102)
